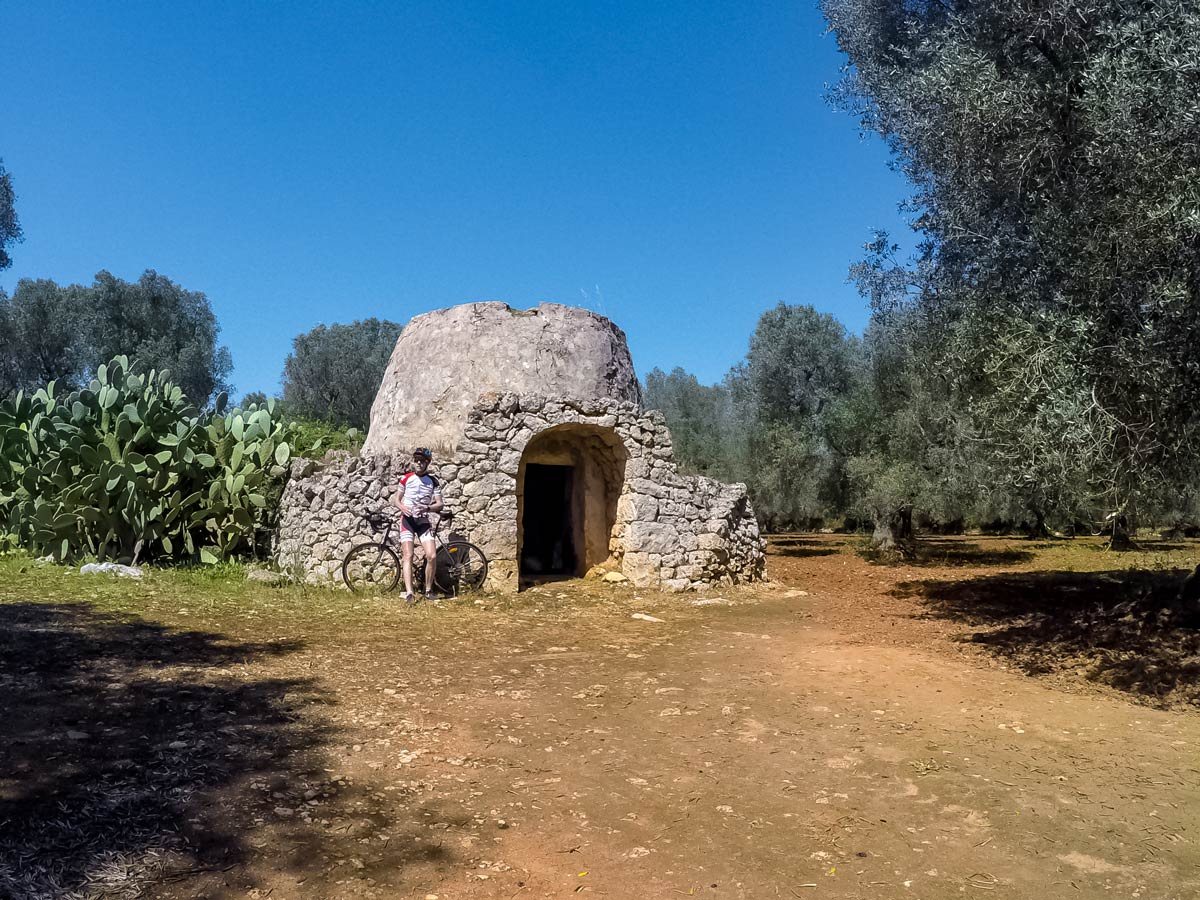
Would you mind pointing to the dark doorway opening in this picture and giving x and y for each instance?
(549, 546)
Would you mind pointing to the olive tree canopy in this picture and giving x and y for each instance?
(334, 371)
(1055, 152)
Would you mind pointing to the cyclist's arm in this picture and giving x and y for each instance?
(399, 498)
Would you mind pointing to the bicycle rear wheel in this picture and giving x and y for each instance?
(371, 567)
(465, 568)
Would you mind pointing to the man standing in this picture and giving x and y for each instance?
(419, 495)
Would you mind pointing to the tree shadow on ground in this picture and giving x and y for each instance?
(937, 552)
(796, 546)
(133, 754)
(1115, 627)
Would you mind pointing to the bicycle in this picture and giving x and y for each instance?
(461, 566)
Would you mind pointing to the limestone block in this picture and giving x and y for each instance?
(651, 537)
(640, 568)
(636, 468)
(502, 574)
(648, 487)
(637, 508)
(718, 527)
(686, 530)
(510, 462)
(474, 432)
(475, 446)
(498, 422)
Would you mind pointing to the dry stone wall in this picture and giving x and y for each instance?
(665, 529)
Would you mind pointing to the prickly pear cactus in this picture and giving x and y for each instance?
(127, 467)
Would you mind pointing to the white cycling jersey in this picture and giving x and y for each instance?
(417, 493)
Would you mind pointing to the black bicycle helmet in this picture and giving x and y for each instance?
(422, 453)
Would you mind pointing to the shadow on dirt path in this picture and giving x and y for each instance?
(955, 552)
(1117, 625)
(129, 753)
(791, 545)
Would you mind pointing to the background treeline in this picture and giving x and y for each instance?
(50, 332)
(1037, 360)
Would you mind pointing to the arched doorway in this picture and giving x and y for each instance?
(567, 490)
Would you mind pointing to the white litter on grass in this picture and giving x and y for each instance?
(111, 568)
(645, 618)
(711, 601)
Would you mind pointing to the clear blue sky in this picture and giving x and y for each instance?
(672, 165)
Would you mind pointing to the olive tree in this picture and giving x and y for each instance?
(10, 226)
(334, 371)
(51, 332)
(1053, 148)
(705, 432)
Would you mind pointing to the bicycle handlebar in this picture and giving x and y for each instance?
(376, 518)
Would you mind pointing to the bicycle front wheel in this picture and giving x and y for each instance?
(371, 568)
(466, 568)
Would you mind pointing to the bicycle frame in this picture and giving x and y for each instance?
(436, 531)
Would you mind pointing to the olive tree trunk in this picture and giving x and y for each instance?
(893, 532)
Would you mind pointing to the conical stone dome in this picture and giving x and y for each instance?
(446, 359)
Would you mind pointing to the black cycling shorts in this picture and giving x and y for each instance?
(411, 527)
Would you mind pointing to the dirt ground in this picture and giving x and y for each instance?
(982, 723)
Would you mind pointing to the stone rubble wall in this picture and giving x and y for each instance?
(675, 531)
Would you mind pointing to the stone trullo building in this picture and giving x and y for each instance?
(545, 454)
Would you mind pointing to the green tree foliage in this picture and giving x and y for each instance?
(10, 226)
(163, 326)
(799, 364)
(775, 420)
(44, 335)
(900, 431)
(800, 369)
(334, 371)
(64, 333)
(1055, 149)
(704, 431)
(127, 466)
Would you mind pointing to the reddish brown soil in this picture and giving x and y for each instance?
(836, 734)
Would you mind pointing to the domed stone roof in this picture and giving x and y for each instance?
(446, 359)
